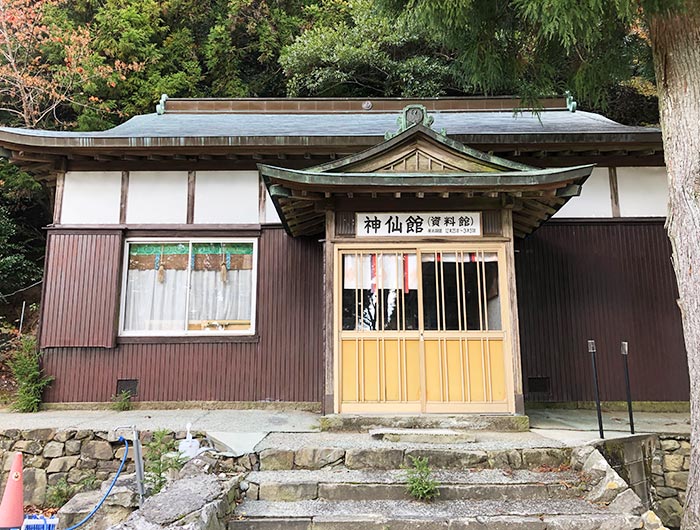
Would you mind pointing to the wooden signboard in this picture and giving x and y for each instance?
(418, 224)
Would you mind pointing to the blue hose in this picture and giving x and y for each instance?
(121, 466)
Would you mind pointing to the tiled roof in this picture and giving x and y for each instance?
(547, 122)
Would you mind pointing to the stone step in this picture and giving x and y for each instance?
(570, 514)
(466, 422)
(356, 485)
(388, 455)
(431, 436)
(503, 522)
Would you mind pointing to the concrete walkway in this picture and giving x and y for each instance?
(579, 427)
(176, 420)
(567, 426)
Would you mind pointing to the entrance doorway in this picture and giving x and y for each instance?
(422, 329)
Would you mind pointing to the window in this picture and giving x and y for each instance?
(380, 291)
(459, 291)
(189, 287)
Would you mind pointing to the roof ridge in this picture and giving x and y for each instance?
(341, 105)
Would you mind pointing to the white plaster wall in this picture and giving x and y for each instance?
(643, 191)
(226, 197)
(270, 210)
(157, 197)
(594, 200)
(91, 197)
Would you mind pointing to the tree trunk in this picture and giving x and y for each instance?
(676, 48)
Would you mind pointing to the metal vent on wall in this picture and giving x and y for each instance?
(538, 385)
(128, 385)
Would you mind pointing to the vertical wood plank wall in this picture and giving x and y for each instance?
(285, 362)
(608, 281)
(82, 282)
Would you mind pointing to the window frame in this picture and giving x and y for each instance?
(185, 332)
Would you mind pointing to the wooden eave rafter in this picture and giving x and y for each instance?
(47, 153)
(301, 197)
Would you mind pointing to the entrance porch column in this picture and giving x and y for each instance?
(508, 233)
(328, 312)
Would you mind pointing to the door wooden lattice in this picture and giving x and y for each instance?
(422, 329)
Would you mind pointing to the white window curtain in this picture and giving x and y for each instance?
(155, 306)
(212, 299)
(218, 276)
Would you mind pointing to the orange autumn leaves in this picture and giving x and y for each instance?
(48, 65)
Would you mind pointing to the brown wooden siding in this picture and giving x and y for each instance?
(284, 363)
(82, 281)
(608, 281)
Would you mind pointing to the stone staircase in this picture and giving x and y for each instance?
(322, 481)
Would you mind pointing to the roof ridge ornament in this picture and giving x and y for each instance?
(160, 107)
(411, 115)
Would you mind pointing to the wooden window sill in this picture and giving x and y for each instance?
(198, 339)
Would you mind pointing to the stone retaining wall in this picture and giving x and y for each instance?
(656, 467)
(669, 477)
(74, 455)
(631, 457)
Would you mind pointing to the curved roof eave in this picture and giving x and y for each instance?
(449, 179)
(12, 138)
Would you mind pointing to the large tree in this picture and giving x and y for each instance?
(539, 46)
(48, 68)
(244, 43)
(350, 49)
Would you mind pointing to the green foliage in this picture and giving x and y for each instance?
(122, 401)
(8, 336)
(160, 456)
(135, 50)
(350, 49)
(632, 103)
(534, 48)
(420, 483)
(243, 47)
(60, 493)
(132, 32)
(25, 364)
(23, 213)
(15, 269)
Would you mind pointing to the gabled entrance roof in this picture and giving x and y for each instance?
(416, 141)
(420, 163)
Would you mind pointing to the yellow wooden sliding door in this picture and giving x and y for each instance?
(422, 329)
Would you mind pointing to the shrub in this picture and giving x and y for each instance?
(25, 364)
(421, 485)
(122, 401)
(60, 493)
(160, 457)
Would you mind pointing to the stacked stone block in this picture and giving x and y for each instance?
(669, 470)
(72, 454)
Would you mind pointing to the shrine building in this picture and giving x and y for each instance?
(448, 255)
